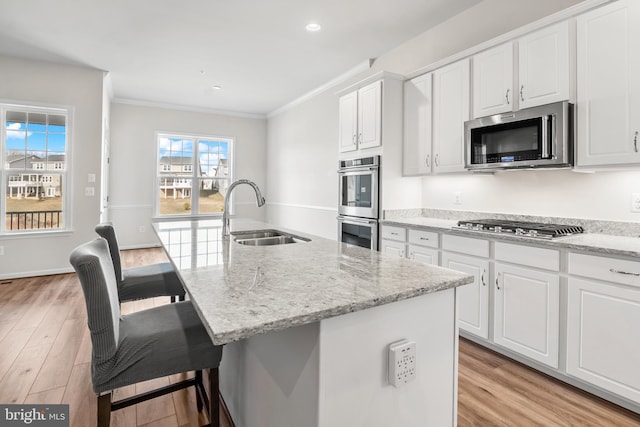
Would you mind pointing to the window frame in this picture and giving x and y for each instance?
(195, 179)
(64, 172)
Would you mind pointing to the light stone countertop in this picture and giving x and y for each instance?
(602, 244)
(240, 291)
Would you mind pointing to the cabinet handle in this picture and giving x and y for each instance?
(428, 161)
(424, 238)
(394, 234)
(436, 160)
(624, 272)
(507, 96)
(635, 142)
(355, 139)
(482, 278)
(522, 93)
(360, 138)
(401, 254)
(497, 277)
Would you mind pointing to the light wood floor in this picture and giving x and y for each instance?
(45, 354)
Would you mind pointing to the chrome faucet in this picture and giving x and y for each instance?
(225, 214)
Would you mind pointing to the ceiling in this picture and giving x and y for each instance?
(258, 51)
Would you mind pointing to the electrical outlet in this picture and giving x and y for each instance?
(1, 250)
(635, 202)
(457, 198)
(402, 362)
(141, 229)
(89, 191)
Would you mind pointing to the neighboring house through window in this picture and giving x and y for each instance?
(35, 141)
(193, 174)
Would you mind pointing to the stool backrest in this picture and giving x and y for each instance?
(93, 265)
(106, 231)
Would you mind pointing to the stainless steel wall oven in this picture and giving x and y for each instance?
(358, 201)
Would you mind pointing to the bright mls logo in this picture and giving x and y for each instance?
(34, 415)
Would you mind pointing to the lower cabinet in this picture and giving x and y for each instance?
(472, 299)
(527, 312)
(603, 337)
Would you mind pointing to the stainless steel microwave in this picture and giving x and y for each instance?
(537, 137)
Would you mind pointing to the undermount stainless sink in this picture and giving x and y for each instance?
(265, 237)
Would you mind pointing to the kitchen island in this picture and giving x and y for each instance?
(306, 327)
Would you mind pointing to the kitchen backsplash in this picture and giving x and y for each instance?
(614, 228)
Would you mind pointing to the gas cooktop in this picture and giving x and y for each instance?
(520, 228)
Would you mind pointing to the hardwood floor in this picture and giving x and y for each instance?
(45, 354)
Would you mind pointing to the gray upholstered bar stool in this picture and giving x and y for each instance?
(140, 282)
(148, 344)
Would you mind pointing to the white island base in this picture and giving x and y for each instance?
(333, 372)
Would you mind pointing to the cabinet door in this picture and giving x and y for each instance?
(608, 85)
(370, 115)
(472, 299)
(450, 111)
(526, 312)
(417, 126)
(543, 71)
(423, 255)
(493, 81)
(603, 338)
(348, 122)
(392, 247)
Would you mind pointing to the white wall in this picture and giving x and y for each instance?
(134, 158)
(42, 83)
(307, 135)
(302, 160)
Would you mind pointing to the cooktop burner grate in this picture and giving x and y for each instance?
(521, 228)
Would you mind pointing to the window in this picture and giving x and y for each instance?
(35, 141)
(194, 173)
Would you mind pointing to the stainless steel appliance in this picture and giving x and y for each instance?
(521, 228)
(358, 231)
(358, 204)
(538, 137)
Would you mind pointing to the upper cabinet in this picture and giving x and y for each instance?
(493, 81)
(360, 118)
(608, 85)
(544, 66)
(539, 76)
(418, 105)
(450, 111)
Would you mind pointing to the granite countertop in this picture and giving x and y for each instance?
(240, 291)
(603, 244)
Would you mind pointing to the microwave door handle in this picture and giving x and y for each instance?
(545, 137)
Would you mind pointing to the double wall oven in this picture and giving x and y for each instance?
(359, 198)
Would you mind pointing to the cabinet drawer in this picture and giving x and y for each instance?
(602, 268)
(548, 259)
(393, 233)
(423, 238)
(465, 245)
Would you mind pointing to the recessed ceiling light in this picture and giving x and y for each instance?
(313, 27)
(202, 72)
(216, 87)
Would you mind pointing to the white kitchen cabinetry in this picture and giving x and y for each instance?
(527, 301)
(493, 81)
(603, 338)
(544, 66)
(418, 104)
(423, 246)
(360, 118)
(541, 76)
(393, 240)
(450, 111)
(470, 256)
(608, 85)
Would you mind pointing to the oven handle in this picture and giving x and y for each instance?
(350, 170)
(356, 221)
